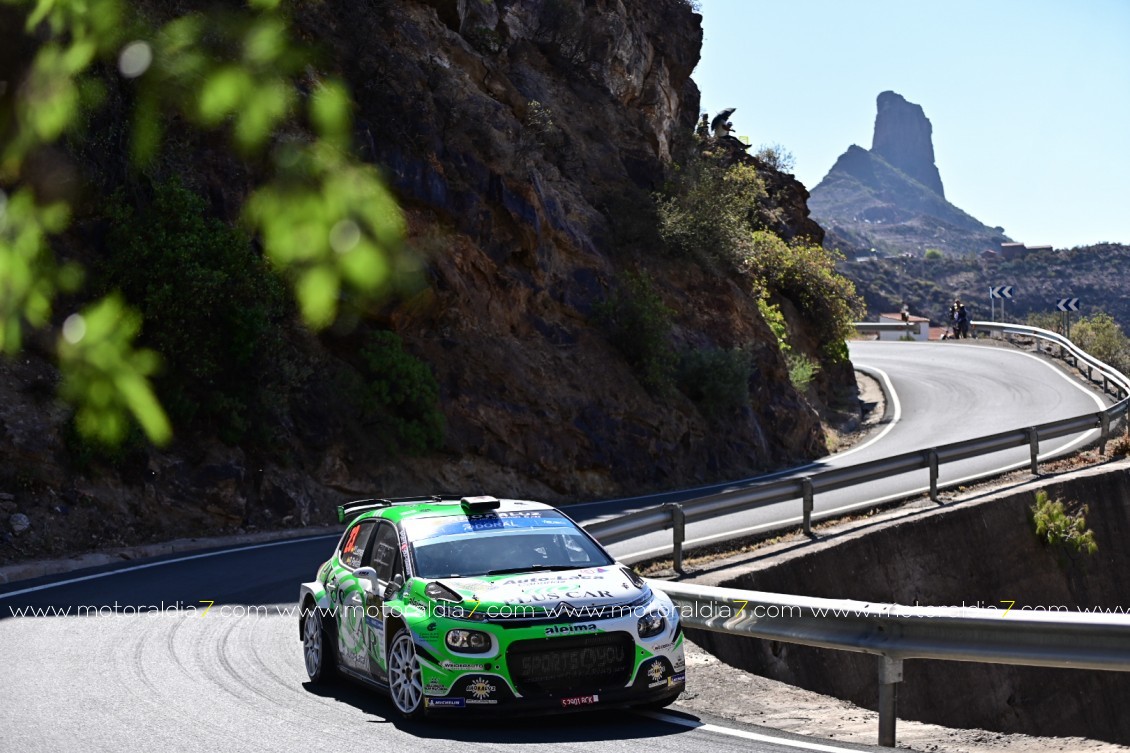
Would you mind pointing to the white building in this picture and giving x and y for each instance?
(922, 335)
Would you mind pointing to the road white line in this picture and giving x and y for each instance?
(1090, 392)
(896, 413)
(736, 533)
(746, 734)
(1080, 440)
(148, 565)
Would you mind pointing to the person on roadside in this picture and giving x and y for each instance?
(954, 327)
(963, 321)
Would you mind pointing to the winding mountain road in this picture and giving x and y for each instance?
(938, 393)
(201, 652)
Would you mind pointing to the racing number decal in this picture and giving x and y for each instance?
(351, 541)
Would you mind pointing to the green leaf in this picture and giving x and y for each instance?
(222, 93)
(105, 378)
(331, 112)
(317, 291)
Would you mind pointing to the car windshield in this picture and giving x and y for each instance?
(498, 544)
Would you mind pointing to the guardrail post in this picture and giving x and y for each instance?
(678, 533)
(1034, 449)
(932, 459)
(806, 493)
(890, 675)
(1104, 430)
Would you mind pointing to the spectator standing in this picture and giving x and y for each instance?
(962, 320)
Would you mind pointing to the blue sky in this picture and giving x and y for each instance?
(1029, 99)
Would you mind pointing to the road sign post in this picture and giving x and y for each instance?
(1002, 292)
(1067, 305)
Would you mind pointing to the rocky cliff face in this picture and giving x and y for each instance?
(890, 198)
(523, 138)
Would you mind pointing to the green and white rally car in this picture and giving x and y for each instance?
(476, 603)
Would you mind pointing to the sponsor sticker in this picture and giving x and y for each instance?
(456, 666)
(435, 687)
(481, 689)
(567, 629)
(581, 700)
(448, 703)
(677, 679)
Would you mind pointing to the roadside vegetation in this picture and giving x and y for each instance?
(318, 218)
(716, 217)
(1063, 530)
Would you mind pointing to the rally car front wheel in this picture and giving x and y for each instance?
(317, 650)
(404, 676)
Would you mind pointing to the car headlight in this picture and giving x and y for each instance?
(651, 624)
(468, 641)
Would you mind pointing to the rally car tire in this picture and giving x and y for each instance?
(318, 648)
(404, 683)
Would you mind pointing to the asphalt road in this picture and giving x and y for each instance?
(201, 652)
(940, 393)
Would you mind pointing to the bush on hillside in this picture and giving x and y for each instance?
(807, 276)
(402, 396)
(716, 380)
(1058, 528)
(638, 324)
(210, 305)
(1101, 336)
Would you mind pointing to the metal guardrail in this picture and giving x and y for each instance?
(675, 515)
(892, 632)
(896, 633)
(915, 327)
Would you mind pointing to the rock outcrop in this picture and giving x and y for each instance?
(904, 138)
(890, 198)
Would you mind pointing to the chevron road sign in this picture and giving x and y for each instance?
(1068, 304)
(1001, 291)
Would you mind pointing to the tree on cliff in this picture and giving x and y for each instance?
(324, 221)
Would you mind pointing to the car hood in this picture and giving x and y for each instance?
(552, 590)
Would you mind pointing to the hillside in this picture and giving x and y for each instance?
(526, 143)
(1094, 274)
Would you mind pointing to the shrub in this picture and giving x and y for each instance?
(402, 395)
(716, 380)
(209, 303)
(777, 157)
(802, 370)
(716, 215)
(772, 315)
(1101, 336)
(638, 324)
(709, 214)
(1057, 528)
(1051, 321)
(807, 276)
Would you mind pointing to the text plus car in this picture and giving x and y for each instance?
(485, 604)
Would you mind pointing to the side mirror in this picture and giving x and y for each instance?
(367, 576)
(394, 586)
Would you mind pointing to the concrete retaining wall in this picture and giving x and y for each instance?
(978, 553)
